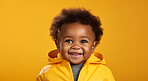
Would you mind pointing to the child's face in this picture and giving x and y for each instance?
(76, 42)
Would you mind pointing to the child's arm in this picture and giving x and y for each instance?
(40, 76)
(110, 77)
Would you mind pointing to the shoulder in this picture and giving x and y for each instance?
(105, 69)
(101, 69)
(43, 71)
(46, 68)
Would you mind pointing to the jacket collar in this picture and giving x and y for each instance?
(95, 58)
(55, 57)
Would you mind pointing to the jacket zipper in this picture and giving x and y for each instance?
(70, 70)
(81, 73)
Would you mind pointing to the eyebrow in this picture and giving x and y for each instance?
(72, 37)
(68, 37)
(85, 37)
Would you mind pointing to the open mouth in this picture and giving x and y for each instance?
(75, 53)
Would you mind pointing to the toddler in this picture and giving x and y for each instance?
(76, 33)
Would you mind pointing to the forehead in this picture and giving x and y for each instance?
(76, 30)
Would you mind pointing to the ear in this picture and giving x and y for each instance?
(57, 44)
(94, 46)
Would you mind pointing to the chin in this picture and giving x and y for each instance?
(77, 62)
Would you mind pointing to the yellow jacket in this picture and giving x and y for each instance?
(59, 69)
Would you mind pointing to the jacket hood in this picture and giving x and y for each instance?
(55, 57)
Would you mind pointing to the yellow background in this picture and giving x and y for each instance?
(25, 40)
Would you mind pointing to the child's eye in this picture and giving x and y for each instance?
(84, 41)
(69, 41)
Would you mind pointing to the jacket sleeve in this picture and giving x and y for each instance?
(110, 77)
(40, 76)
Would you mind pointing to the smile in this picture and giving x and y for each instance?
(75, 55)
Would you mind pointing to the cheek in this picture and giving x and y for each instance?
(87, 48)
(64, 47)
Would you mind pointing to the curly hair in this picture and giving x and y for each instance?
(73, 15)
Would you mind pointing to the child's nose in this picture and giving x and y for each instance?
(76, 46)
